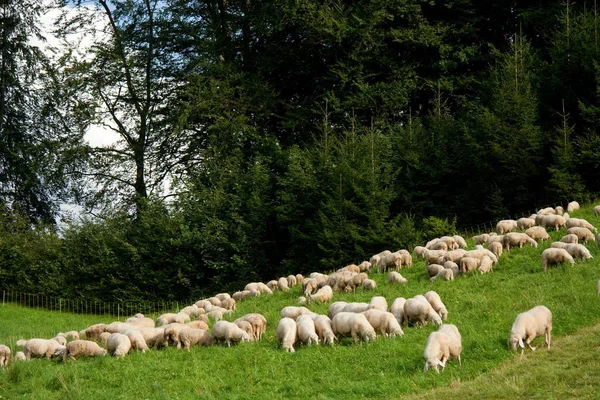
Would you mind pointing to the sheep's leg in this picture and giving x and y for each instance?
(459, 364)
(548, 338)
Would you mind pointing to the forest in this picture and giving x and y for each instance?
(258, 139)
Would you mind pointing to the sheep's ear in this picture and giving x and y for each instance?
(521, 344)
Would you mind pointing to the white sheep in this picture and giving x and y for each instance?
(364, 266)
(378, 303)
(74, 335)
(524, 223)
(506, 226)
(555, 221)
(306, 330)
(82, 348)
(301, 300)
(272, 284)
(485, 265)
(323, 295)
(335, 308)
(287, 333)
(154, 337)
(547, 211)
(496, 248)
(118, 345)
(292, 281)
(572, 206)
(570, 238)
(392, 260)
(454, 255)
(189, 337)
(93, 331)
(369, 284)
(397, 308)
(324, 329)
(355, 307)
(299, 279)
(538, 233)
(596, 211)
(137, 339)
(518, 239)
(395, 277)
(529, 325)
(435, 256)
(352, 324)
(576, 250)
(383, 322)
(481, 239)
(579, 222)
(468, 264)
(434, 269)
(420, 251)
(282, 284)
(293, 312)
(4, 355)
(460, 241)
(418, 310)
(41, 348)
(556, 256)
(436, 302)
(258, 322)
(559, 210)
(377, 257)
(583, 234)
(20, 356)
(441, 345)
(452, 266)
(229, 332)
(445, 274)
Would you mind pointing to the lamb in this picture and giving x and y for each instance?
(4, 355)
(301, 300)
(397, 309)
(287, 333)
(574, 249)
(556, 221)
(378, 303)
(229, 332)
(480, 253)
(395, 277)
(582, 233)
(524, 223)
(20, 356)
(369, 284)
(61, 340)
(505, 226)
(596, 211)
(538, 232)
(377, 257)
(433, 270)
(441, 345)
(41, 348)
(258, 322)
(445, 274)
(518, 239)
(436, 303)
(323, 295)
(529, 325)
(480, 239)
(570, 238)
(352, 324)
(324, 329)
(306, 330)
(572, 206)
(555, 256)
(496, 248)
(335, 308)
(438, 245)
(364, 266)
(82, 348)
(579, 222)
(566, 216)
(418, 310)
(293, 312)
(383, 322)
(355, 307)
(118, 345)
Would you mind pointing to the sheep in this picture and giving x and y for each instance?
(117, 327)
(572, 206)
(217, 315)
(61, 340)
(420, 251)
(524, 223)
(291, 281)
(229, 332)
(462, 244)
(468, 264)
(118, 345)
(529, 325)
(229, 304)
(82, 348)
(505, 226)
(452, 266)
(350, 268)
(93, 331)
(377, 257)
(324, 329)
(282, 284)
(20, 356)
(4, 355)
(137, 339)
(496, 248)
(383, 322)
(41, 348)
(258, 286)
(434, 256)
(364, 266)
(258, 322)
(569, 238)
(441, 345)
(335, 308)
(436, 303)
(493, 239)
(582, 233)
(418, 310)
(454, 255)
(369, 284)
(287, 333)
(74, 335)
(191, 336)
(439, 245)
(293, 312)
(555, 256)
(574, 249)
(357, 280)
(406, 258)
(547, 211)
(445, 274)
(215, 301)
(323, 295)
(389, 261)
(352, 324)
(301, 300)
(518, 239)
(433, 270)
(579, 222)
(103, 337)
(556, 221)
(596, 211)
(559, 210)
(397, 309)
(485, 265)
(395, 277)
(299, 279)
(154, 337)
(246, 327)
(378, 303)
(139, 321)
(272, 284)
(480, 253)
(537, 232)
(355, 307)
(165, 319)
(566, 216)
(306, 330)
(480, 239)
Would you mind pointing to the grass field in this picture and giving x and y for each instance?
(483, 307)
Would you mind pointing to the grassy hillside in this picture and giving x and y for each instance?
(483, 307)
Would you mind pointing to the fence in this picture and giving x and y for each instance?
(119, 309)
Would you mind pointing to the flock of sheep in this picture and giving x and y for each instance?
(445, 258)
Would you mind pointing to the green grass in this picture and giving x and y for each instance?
(483, 307)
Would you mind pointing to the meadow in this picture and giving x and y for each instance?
(483, 307)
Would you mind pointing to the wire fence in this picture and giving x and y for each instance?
(118, 309)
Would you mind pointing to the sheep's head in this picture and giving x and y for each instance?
(434, 364)
(444, 314)
(515, 340)
(434, 318)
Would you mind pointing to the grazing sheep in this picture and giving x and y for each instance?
(377, 258)
(292, 281)
(436, 302)
(462, 244)
(4, 355)
(116, 327)
(282, 284)
(378, 303)
(20, 356)
(299, 279)
(395, 277)
(369, 284)
(229, 304)
(352, 324)
(579, 222)
(397, 308)
(556, 221)
(293, 312)
(538, 233)
(41, 348)
(559, 210)
(357, 280)
(468, 264)
(506, 226)
(393, 260)
(420, 251)
(481, 239)
(434, 257)
(574, 249)
(229, 332)
(529, 325)
(364, 266)
(93, 331)
(572, 206)
(82, 348)
(555, 256)
(61, 340)
(306, 330)
(154, 337)
(438, 245)
(74, 335)
(493, 239)
(355, 307)
(350, 268)
(287, 333)
(445, 274)
(272, 284)
(324, 329)
(258, 322)
(434, 269)
(301, 300)
(452, 266)
(479, 254)
(547, 211)
(582, 233)
(441, 345)
(103, 338)
(137, 339)
(524, 223)
(596, 211)
(246, 327)
(258, 286)
(496, 248)
(191, 336)
(454, 255)
(323, 295)
(418, 310)
(570, 238)
(518, 239)
(335, 308)
(383, 322)
(118, 345)
(485, 265)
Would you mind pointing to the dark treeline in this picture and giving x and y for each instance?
(294, 135)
